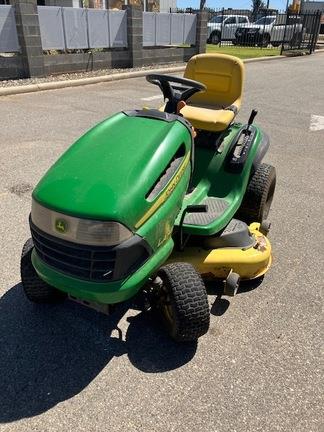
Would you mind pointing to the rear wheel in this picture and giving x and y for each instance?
(265, 40)
(258, 197)
(36, 289)
(215, 38)
(183, 302)
(296, 40)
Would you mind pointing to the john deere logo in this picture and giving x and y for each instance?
(61, 225)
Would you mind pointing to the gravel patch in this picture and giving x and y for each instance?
(79, 75)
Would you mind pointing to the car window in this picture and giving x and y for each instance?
(294, 20)
(265, 20)
(242, 20)
(230, 20)
(217, 19)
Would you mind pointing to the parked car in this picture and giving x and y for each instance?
(223, 27)
(271, 29)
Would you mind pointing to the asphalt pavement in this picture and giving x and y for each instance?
(67, 368)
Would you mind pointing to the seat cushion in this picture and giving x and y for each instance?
(209, 119)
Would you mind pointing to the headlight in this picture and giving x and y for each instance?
(83, 231)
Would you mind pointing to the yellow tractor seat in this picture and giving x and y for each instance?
(223, 75)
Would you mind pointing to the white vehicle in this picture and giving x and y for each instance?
(271, 29)
(223, 27)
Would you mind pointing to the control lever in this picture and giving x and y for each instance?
(241, 146)
(251, 119)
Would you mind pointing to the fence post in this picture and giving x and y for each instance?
(222, 27)
(316, 28)
(29, 37)
(135, 35)
(201, 32)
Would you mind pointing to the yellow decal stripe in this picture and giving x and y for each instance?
(165, 195)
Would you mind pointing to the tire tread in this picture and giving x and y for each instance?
(35, 288)
(252, 207)
(190, 301)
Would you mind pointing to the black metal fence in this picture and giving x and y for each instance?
(266, 28)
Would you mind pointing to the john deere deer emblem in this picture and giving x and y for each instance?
(61, 225)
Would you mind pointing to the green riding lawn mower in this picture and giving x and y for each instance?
(154, 203)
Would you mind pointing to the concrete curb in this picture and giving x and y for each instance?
(261, 59)
(53, 85)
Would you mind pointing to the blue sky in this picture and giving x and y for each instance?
(235, 4)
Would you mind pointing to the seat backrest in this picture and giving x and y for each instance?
(222, 74)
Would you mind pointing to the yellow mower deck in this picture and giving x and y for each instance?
(249, 263)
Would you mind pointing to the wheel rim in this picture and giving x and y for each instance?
(165, 305)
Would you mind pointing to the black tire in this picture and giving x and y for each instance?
(265, 40)
(258, 197)
(275, 44)
(296, 40)
(183, 302)
(35, 289)
(215, 38)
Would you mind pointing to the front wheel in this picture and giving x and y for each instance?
(258, 197)
(183, 302)
(36, 289)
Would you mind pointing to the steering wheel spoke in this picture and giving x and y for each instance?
(175, 89)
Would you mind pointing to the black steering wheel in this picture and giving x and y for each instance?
(175, 93)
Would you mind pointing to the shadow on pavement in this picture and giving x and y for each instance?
(51, 353)
(220, 305)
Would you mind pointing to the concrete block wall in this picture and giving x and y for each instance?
(83, 62)
(29, 37)
(32, 62)
(165, 55)
(11, 68)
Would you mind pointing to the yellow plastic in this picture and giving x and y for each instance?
(249, 263)
(223, 76)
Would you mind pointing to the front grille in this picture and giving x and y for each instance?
(93, 263)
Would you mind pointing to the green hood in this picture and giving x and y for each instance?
(107, 173)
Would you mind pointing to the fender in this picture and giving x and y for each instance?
(262, 150)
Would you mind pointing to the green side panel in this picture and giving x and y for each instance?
(107, 173)
(212, 180)
(108, 293)
(159, 227)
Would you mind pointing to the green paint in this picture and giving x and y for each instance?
(107, 174)
(212, 180)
